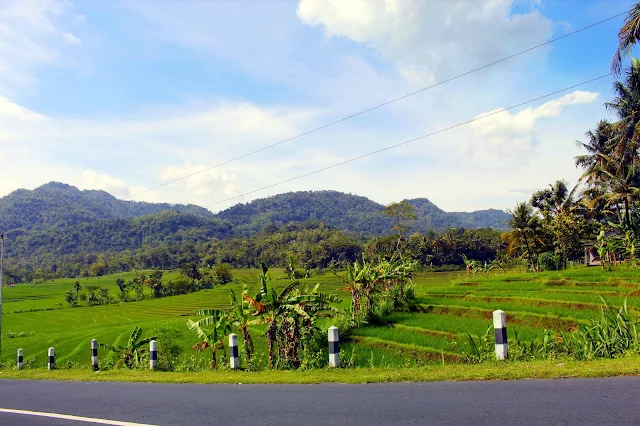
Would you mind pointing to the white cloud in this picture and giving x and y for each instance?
(31, 36)
(204, 185)
(93, 180)
(430, 40)
(71, 39)
(512, 136)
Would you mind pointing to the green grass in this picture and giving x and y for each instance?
(453, 305)
(491, 371)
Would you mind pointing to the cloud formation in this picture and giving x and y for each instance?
(31, 36)
(430, 40)
(508, 135)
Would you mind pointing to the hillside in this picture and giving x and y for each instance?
(350, 212)
(57, 204)
(57, 219)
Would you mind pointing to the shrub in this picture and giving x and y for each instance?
(549, 261)
(222, 272)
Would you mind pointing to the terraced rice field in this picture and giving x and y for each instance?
(450, 306)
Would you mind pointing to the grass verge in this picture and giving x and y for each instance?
(556, 369)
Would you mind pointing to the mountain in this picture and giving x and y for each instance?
(58, 219)
(351, 213)
(58, 204)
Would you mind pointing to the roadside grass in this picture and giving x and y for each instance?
(554, 369)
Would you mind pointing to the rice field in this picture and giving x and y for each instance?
(450, 306)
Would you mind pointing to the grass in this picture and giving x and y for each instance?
(452, 306)
(490, 371)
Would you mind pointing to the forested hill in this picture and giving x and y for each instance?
(57, 219)
(350, 212)
(57, 204)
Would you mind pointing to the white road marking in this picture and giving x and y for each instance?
(68, 417)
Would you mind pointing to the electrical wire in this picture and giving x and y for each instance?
(482, 117)
(506, 58)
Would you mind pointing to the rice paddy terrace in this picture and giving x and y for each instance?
(450, 306)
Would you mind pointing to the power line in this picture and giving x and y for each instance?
(411, 140)
(506, 58)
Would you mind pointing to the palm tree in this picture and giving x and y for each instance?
(131, 353)
(628, 36)
(77, 287)
(626, 105)
(221, 323)
(598, 147)
(525, 231)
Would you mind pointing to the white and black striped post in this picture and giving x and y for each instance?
(20, 359)
(51, 364)
(94, 355)
(500, 331)
(234, 361)
(334, 347)
(153, 354)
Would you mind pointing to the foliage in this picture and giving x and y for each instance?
(130, 355)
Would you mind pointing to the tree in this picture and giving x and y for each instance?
(628, 36)
(155, 283)
(77, 287)
(131, 353)
(524, 233)
(222, 272)
(401, 213)
(123, 289)
(71, 300)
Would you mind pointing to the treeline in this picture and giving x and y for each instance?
(603, 210)
(306, 246)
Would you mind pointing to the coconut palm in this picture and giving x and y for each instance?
(598, 147)
(525, 231)
(628, 36)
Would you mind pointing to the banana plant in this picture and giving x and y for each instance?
(243, 317)
(131, 353)
(221, 325)
(276, 307)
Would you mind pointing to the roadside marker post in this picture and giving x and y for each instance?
(52, 360)
(94, 355)
(153, 354)
(334, 347)
(20, 359)
(234, 361)
(500, 332)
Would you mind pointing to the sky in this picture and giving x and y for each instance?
(130, 95)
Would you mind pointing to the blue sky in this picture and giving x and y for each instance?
(127, 95)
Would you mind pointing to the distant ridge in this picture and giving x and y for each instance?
(59, 219)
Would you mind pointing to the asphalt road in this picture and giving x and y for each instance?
(614, 401)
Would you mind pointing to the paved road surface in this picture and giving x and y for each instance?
(614, 401)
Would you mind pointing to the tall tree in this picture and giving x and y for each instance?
(628, 36)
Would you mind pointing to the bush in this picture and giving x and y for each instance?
(549, 261)
(222, 272)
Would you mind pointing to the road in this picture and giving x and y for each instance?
(522, 402)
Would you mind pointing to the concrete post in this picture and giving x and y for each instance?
(234, 361)
(500, 331)
(20, 359)
(153, 354)
(94, 355)
(334, 347)
(52, 360)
